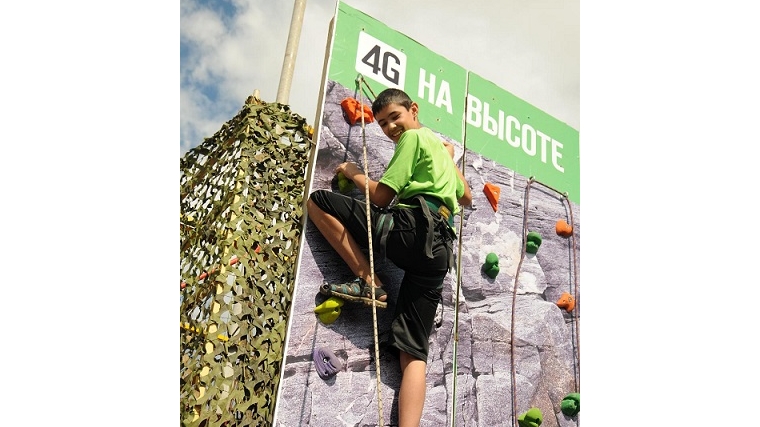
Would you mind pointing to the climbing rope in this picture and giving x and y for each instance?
(531, 180)
(514, 300)
(576, 291)
(456, 314)
(459, 279)
(360, 79)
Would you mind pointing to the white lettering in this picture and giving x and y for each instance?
(489, 123)
(528, 141)
(427, 87)
(426, 84)
(556, 145)
(473, 110)
(444, 97)
(506, 127)
(544, 138)
(513, 123)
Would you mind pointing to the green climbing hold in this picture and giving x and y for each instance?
(533, 242)
(571, 404)
(345, 185)
(492, 259)
(532, 418)
(493, 271)
(491, 267)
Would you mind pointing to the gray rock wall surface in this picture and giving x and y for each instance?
(545, 338)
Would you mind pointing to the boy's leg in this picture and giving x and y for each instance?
(411, 396)
(341, 240)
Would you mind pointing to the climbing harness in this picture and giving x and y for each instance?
(525, 232)
(443, 223)
(359, 80)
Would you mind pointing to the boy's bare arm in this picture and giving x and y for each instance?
(466, 199)
(379, 193)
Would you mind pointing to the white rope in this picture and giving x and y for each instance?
(359, 79)
(459, 277)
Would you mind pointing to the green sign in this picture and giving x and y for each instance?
(387, 58)
(495, 124)
(513, 133)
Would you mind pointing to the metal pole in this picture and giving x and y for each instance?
(283, 91)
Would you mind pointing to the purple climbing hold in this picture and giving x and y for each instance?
(326, 362)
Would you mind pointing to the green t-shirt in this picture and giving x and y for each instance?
(422, 165)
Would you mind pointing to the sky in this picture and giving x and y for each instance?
(229, 48)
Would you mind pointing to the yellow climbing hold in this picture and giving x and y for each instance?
(329, 310)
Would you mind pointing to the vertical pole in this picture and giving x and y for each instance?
(286, 76)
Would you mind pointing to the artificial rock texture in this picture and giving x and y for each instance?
(545, 336)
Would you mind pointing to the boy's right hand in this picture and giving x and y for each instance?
(348, 169)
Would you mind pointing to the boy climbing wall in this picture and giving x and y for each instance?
(416, 234)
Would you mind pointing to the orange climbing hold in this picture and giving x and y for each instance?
(566, 301)
(492, 193)
(354, 109)
(564, 229)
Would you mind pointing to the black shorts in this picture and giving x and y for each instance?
(420, 290)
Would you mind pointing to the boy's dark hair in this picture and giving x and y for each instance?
(391, 96)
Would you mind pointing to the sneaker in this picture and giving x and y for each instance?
(356, 290)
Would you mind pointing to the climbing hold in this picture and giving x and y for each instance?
(330, 317)
(571, 404)
(492, 271)
(492, 259)
(234, 260)
(325, 362)
(564, 229)
(492, 193)
(182, 285)
(491, 266)
(532, 418)
(329, 310)
(533, 242)
(354, 110)
(566, 301)
(331, 304)
(345, 185)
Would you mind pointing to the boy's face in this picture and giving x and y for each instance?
(394, 119)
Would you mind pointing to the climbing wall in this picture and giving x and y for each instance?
(241, 197)
(498, 353)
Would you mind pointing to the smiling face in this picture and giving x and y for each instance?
(395, 119)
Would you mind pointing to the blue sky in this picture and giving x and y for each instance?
(230, 48)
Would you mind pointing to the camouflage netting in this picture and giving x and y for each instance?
(241, 197)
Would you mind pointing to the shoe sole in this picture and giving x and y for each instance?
(325, 290)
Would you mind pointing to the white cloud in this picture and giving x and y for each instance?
(531, 49)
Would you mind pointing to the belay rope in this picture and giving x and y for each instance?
(359, 80)
(531, 180)
(459, 279)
